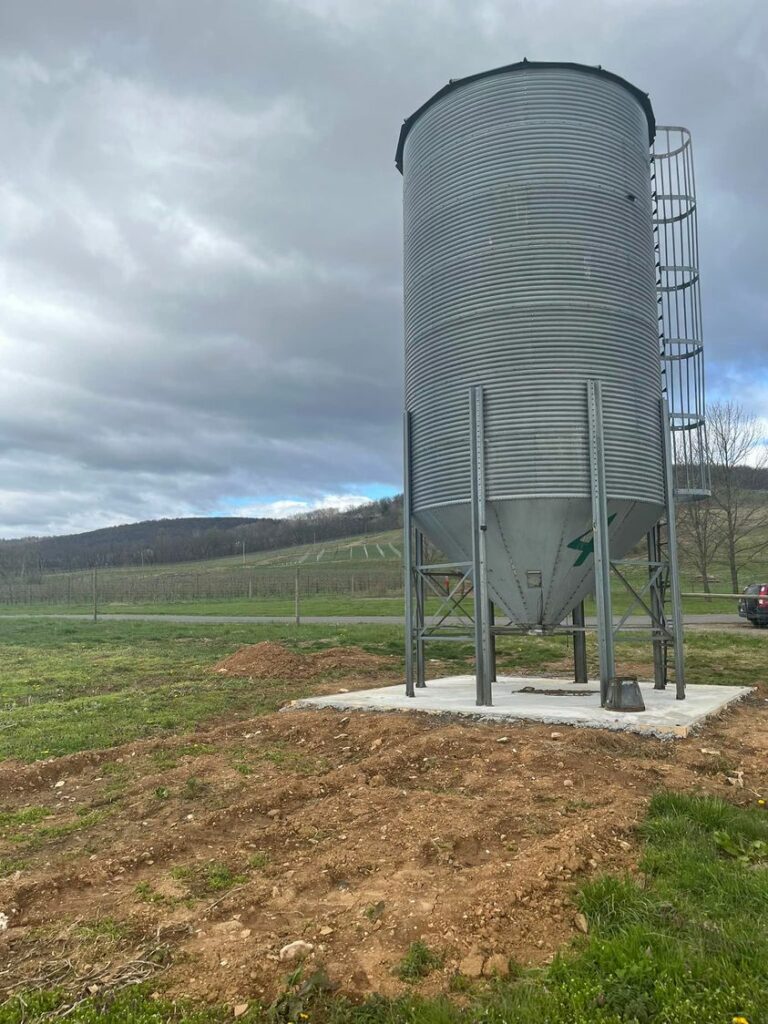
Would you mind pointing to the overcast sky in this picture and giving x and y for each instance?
(200, 231)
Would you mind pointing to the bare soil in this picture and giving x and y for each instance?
(356, 832)
(268, 660)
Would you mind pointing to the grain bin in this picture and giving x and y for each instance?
(529, 268)
(530, 276)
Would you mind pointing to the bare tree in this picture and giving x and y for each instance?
(737, 457)
(700, 537)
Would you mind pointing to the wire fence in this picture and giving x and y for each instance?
(262, 590)
(110, 587)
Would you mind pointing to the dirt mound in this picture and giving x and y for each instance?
(268, 660)
(262, 661)
(348, 659)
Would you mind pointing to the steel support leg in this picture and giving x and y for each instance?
(658, 621)
(674, 572)
(600, 538)
(418, 557)
(483, 655)
(579, 645)
(408, 558)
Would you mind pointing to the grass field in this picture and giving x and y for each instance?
(315, 604)
(285, 606)
(681, 939)
(68, 686)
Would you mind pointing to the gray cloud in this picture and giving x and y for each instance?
(200, 230)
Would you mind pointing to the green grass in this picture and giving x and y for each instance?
(37, 838)
(686, 942)
(104, 931)
(418, 962)
(132, 1006)
(324, 605)
(314, 605)
(10, 865)
(206, 879)
(25, 816)
(70, 686)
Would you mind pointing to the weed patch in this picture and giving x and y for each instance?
(36, 838)
(9, 866)
(418, 962)
(25, 816)
(194, 788)
(207, 879)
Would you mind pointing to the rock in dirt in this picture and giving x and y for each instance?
(297, 950)
(240, 1009)
(555, 735)
(496, 966)
(472, 966)
(3, 922)
(581, 923)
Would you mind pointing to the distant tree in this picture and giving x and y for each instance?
(700, 535)
(737, 456)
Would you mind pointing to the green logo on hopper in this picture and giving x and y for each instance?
(585, 544)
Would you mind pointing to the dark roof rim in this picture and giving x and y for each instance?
(640, 96)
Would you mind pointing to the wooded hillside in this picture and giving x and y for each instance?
(161, 541)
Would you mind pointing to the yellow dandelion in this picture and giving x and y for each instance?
(761, 803)
(739, 1020)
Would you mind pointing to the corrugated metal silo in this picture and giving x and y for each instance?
(529, 270)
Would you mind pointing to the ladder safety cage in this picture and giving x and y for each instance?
(680, 328)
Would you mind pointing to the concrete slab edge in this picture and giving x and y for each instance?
(631, 727)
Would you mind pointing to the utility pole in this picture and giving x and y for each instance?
(243, 543)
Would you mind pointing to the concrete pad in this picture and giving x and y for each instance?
(455, 695)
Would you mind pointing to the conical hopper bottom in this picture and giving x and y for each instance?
(531, 540)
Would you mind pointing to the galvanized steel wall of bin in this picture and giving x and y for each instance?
(530, 268)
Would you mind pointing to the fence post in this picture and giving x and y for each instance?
(95, 596)
(296, 609)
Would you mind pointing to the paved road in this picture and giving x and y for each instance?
(716, 621)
